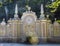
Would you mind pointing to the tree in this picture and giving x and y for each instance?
(55, 9)
(54, 5)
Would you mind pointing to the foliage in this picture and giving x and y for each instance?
(1, 4)
(54, 5)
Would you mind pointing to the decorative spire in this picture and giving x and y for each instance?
(16, 11)
(3, 22)
(6, 11)
(42, 12)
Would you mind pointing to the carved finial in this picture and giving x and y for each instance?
(3, 22)
(29, 8)
(47, 16)
(55, 19)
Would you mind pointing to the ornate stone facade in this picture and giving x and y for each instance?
(29, 25)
